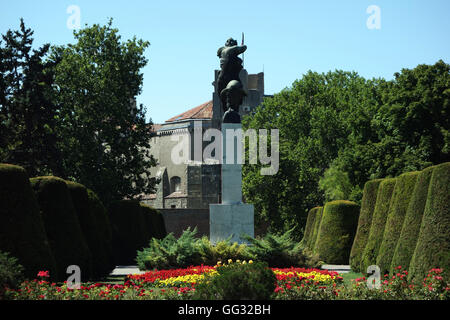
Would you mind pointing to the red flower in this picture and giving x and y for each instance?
(43, 274)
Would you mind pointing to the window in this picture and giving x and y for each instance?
(175, 184)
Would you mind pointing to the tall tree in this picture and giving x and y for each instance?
(27, 112)
(106, 139)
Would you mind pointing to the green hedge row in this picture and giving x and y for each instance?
(133, 225)
(62, 226)
(49, 223)
(433, 244)
(309, 228)
(397, 210)
(22, 231)
(312, 242)
(365, 221)
(384, 195)
(411, 226)
(337, 231)
(410, 223)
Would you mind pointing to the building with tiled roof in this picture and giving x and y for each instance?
(191, 183)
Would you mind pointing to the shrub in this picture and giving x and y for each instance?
(22, 231)
(337, 230)
(279, 251)
(380, 212)
(433, 245)
(221, 251)
(62, 226)
(399, 204)
(317, 221)
(365, 220)
(309, 228)
(103, 229)
(154, 222)
(89, 226)
(11, 273)
(253, 281)
(129, 231)
(413, 218)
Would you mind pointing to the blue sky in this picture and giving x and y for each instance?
(286, 38)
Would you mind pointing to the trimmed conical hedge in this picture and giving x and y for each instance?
(413, 219)
(22, 231)
(433, 245)
(309, 228)
(154, 222)
(337, 231)
(397, 210)
(101, 263)
(62, 226)
(365, 221)
(129, 230)
(103, 228)
(312, 242)
(384, 195)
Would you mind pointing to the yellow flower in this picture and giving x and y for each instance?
(238, 261)
(230, 260)
(250, 261)
(244, 262)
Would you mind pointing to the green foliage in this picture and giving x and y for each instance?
(309, 228)
(317, 222)
(396, 215)
(129, 230)
(337, 231)
(360, 129)
(413, 219)
(379, 218)
(433, 245)
(22, 231)
(11, 273)
(28, 135)
(254, 281)
(335, 184)
(104, 231)
(106, 140)
(62, 225)
(154, 222)
(221, 251)
(89, 225)
(279, 251)
(365, 221)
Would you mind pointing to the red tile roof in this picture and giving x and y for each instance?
(203, 111)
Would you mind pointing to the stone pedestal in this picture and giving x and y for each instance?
(232, 217)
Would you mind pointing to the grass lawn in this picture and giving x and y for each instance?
(348, 277)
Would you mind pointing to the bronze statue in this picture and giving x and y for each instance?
(231, 93)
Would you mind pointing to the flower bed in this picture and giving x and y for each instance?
(292, 283)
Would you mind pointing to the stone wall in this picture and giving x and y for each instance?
(177, 220)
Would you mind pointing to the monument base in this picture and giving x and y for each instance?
(233, 220)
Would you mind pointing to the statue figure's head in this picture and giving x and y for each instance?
(231, 42)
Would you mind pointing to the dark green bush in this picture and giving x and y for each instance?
(22, 231)
(309, 228)
(413, 218)
(280, 251)
(253, 281)
(62, 226)
(379, 217)
(101, 263)
(433, 245)
(154, 222)
(396, 215)
(11, 273)
(365, 221)
(170, 252)
(103, 229)
(337, 231)
(129, 230)
(317, 221)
